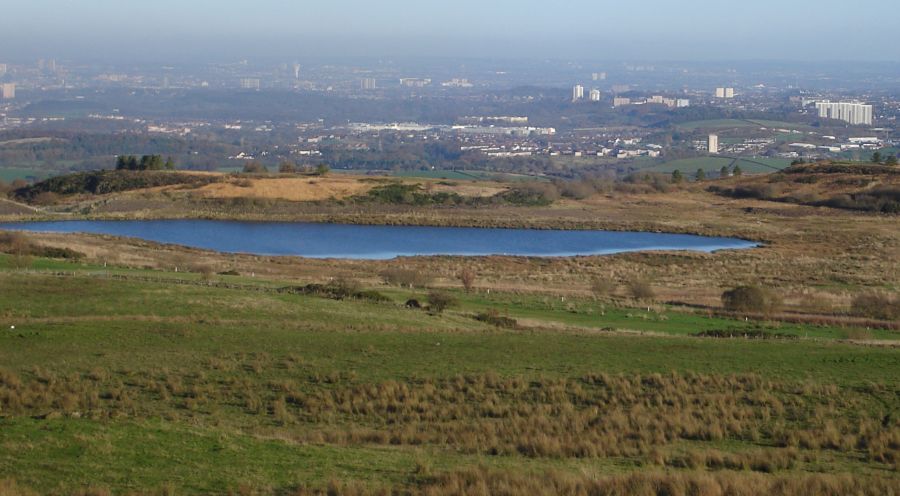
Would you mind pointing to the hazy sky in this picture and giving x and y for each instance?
(596, 29)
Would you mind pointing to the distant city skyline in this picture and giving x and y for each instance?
(643, 29)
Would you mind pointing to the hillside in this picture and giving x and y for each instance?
(870, 188)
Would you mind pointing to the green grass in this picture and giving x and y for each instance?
(576, 312)
(739, 123)
(118, 341)
(136, 456)
(10, 174)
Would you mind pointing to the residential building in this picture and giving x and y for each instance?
(7, 91)
(595, 95)
(250, 83)
(713, 145)
(577, 92)
(852, 112)
(367, 84)
(724, 92)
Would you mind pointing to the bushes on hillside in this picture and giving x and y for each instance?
(405, 277)
(876, 306)
(755, 191)
(751, 299)
(409, 194)
(22, 249)
(535, 194)
(885, 200)
(640, 289)
(104, 182)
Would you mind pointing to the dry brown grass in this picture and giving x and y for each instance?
(297, 189)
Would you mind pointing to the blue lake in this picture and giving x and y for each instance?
(383, 242)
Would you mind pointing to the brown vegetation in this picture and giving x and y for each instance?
(751, 299)
(876, 306)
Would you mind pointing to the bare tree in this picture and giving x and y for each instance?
(467, 277)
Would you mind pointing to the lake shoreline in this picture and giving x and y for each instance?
(464, 219)
(373, 242)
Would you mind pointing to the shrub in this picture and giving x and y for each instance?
(494, 318)
(876, 306)
(467, 277)
(405, 277)
(45, 198)
(755, 191)
(372, 295)
(255, 168)
(603, 287)
(640, 289)
(439, 301)
(750, 299)
(533, 194)
(578, 190)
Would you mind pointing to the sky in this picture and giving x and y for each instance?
(566, 29)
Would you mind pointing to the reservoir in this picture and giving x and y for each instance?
(383, 242)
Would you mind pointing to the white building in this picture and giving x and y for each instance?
(682, 103)
(8, 91)
(621, 101)
(595, 95)
(250, 83)
(724, 92)
(3, 70)
(598, 76)
(415, 82)
(853, 112)
(713, 144)
(367, 84)
(458, 83)
(577, 92)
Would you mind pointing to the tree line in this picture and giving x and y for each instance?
(146, 162)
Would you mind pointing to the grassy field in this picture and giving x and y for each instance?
(739, 123)
(137, 385)
(10, 174)
(121, 375)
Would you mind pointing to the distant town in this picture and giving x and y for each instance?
(612, 118)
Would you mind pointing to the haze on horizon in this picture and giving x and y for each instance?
(803, 30)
